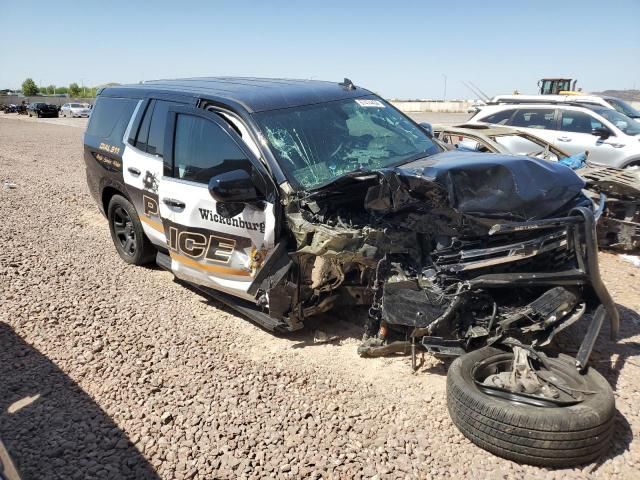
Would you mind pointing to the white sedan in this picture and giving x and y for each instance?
(75, 110)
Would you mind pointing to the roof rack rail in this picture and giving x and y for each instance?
(514, 101)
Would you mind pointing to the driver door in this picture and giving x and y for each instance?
(212, 244)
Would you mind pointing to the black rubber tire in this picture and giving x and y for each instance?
(144, 251)
(544, 436)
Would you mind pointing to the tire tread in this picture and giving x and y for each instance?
(556, 437)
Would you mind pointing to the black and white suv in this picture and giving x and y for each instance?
(289, 198)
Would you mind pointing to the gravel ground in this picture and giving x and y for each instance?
(112, 371)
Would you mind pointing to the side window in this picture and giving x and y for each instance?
(463, 142)
(110, 118)
(500, 118)
(578, 122)
(534, 118)
(200, 147)
(155, 141)
(143, 131)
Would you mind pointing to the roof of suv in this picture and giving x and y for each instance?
(254, 94)
(565, 105)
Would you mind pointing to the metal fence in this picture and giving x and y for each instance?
(53, 100)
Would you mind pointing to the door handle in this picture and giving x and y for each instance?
(564, 139)
(134, 171)
(173, 203)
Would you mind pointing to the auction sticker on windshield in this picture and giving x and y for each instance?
(369, 103)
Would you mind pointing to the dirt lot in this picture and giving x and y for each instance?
(112, 371)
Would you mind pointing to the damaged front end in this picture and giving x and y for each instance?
(619, 226)
(447, 254)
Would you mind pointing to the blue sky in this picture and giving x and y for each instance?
(396, 48)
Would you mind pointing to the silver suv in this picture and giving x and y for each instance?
(610, 137)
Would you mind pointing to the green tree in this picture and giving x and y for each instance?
(29, 88)
(74, 90)
(63, 90)
(51, 89)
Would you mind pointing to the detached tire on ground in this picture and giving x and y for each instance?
(127, 234)
(550, 436)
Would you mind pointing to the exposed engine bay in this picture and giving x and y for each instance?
(446, 254)
(619, 226)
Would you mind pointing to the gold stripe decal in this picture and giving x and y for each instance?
(208, 268)
(153, 224)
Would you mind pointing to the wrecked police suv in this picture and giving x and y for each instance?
(287, 199)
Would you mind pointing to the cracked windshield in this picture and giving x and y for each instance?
(319, 143)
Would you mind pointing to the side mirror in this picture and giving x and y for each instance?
(602, 132)
(235, 186)
(426, 126)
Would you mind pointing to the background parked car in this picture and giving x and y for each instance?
(75, 110)
(41, 109)
(492, 139)
(611, 138)
(604, 101)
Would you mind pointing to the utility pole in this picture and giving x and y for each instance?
(444, 97)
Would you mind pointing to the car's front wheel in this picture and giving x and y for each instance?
(569, 422)
(127, 234)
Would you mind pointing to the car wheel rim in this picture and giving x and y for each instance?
(124, 231)
(567, 382)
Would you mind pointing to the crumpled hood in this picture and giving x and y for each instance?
(483, 185)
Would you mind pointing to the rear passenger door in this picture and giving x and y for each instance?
(220, 246)
(143, 167)
(541, 122)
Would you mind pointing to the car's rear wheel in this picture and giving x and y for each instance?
(571, 429)
(127, 234)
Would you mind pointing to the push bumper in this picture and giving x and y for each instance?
(581, 225)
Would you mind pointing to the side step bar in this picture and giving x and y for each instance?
(240, 305)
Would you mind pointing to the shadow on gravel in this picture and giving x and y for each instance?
(52, 428)
(620, 441)
(608, 357)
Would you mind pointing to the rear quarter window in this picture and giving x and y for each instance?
(151, 131)
(499, 118)
(109, 119)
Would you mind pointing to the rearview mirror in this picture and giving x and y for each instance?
(602, 132)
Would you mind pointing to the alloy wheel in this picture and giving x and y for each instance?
(124, 231)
